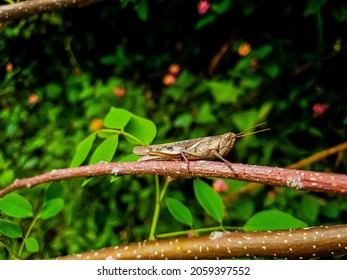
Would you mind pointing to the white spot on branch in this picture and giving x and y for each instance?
(115, 171)
(216, 234)
(295, 182)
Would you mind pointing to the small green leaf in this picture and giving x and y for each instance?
(332, 210)
(51, 208)
(272, 220)
(142, 10)
(87, 180)
(16, 206)
(10, 229)
(273, 70)
(340, 12)
(209, 200)
(222, 6)
(251, 82)
(117, 118)
(204, 21)
(245, 119)
(183, 120)
(53, 90)
(32, 245)
(313, 7)
(143, 129)
(244, 208)
(179, 211)
(309, 207)
(263, 51)
(55, 190)
(105, 151)
(83, 150)
(225, 92)
(205, 115)
(265, 110)
(6, 177)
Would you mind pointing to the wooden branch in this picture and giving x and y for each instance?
(290, 244)
(291, 178)
(299, 164)
(27, 8)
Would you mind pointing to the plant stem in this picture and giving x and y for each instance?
(159, 195)
(26, 236)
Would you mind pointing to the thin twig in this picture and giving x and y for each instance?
(297, 179)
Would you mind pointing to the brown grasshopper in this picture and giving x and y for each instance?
(204, 148)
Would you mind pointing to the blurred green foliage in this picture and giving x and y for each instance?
(192, 74)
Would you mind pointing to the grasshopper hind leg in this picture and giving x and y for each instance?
(186, 160)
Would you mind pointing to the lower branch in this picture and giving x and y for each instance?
(304, 243)
(27, 8)
(291, 178)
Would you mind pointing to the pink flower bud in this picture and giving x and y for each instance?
(319, 109)
(203, 6)
(220, 186)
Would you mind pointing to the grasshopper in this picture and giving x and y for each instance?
(204, 148)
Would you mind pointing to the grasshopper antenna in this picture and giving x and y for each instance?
(243, 133)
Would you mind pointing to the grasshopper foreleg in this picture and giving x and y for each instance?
(228, 163)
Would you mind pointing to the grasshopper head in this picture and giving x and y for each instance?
(226, 143)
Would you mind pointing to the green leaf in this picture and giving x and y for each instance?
(105, 151)
(55, 190)
(206, 20)
(205, 115)
(32, 245)
(53, 90)
(244, 208)
(209, 200)
(51, 208)
(6, 177)
(262, 52)
(87, 180)
(265, 110)
(10, 229)
(16, 206)
(143, 129)
(273, 70)
(245, 119)
(179, 211)
(142, 10)
(183, 120)
(225, 92)
(313, 7)
(83, 150)
(340, 12)
(309, 207)
(222, 6)
(251, 82)
(117, 118)
(332, 210)
(273, 220)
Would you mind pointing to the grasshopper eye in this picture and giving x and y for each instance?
(170, 148)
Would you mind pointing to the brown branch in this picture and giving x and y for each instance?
(306, 243)
(299, 164)
(318, 156)
(297, 179)
(219, 55)
(27, 8)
